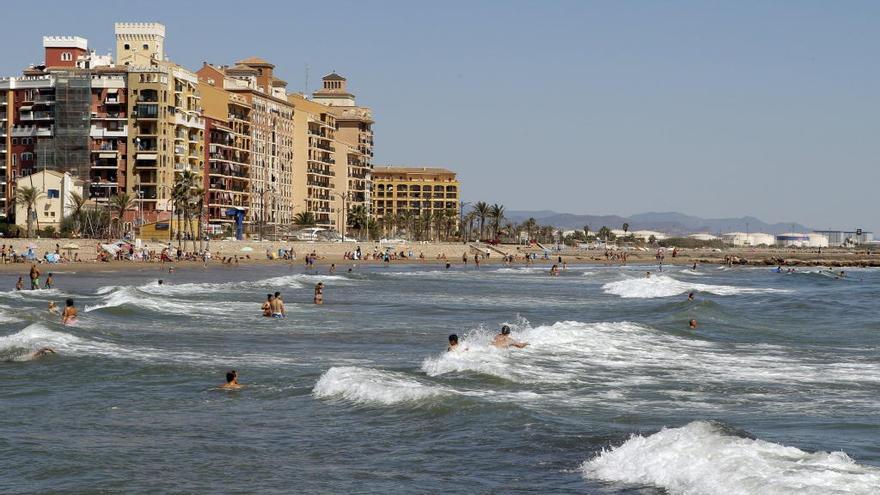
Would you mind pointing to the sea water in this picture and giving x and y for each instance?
(777, 390)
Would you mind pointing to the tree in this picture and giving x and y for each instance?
(481, 209)
(625, 228)
(304, 219)
(530, 225)
(604, 233)
(496, 213)
(119, 204)
(586, 232)
(28, 196)
(77, 206)
(357, 219)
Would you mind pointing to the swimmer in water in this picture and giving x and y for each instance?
(692, 324)
(448, 265)
(453, 343)
(161, 281)
(20, 284)
(231, 380)
(267, 306)
(319, 293)
(48, 281)
(647, 274)
(504, 340)
(690, 296)
(694, 268)
(68, 317)
(44, 351)
(332, 267)
(277, 305)
(53, 308)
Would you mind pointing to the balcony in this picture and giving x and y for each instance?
(181, 118)
(32, 115)
(100, 132)
(146, 111)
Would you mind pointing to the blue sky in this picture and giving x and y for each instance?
(709, 108)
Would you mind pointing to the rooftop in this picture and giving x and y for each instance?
(411, 170)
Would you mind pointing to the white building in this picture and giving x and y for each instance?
(846, 238)
(794, 239)
(704, 237)
(53, 201)
(754, 239)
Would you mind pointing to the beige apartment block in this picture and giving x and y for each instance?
(413, 191)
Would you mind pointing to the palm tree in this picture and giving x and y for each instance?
(185, 202)
(304, 219)
(481, 209)
(530, 226)
(625, 228)
(77, 206)
(586, 232)
(28, 196)
(357, 218)
(496, 213)
(198, 206)
(119, 204)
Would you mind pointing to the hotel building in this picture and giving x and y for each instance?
(414, 191)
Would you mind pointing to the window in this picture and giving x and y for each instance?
(53, 194)
(126, 46)
(14, 140)
(146, 46)
(66, 56)
(27, 156)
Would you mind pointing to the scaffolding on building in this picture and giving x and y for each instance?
(68, 149)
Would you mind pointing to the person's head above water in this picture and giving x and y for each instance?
(505, 330)
(277, 294)
(69, 302)
(161, 281)
(231, 375)
(453, 339)
(692, 324)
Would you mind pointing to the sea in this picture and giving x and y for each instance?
(776, 391)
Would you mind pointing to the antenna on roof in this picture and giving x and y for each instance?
(306, 87)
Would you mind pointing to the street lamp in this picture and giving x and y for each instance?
(344, 212)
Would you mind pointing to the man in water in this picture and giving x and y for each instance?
(319, 293)
(35, 277)
(277, 306)
(692, 324)
(647, 274)
(231, 380)
(448, 265)
(504, 340)
(690, 296)
(161, 282)
(453, 343)
(267, 306)
(44, 351)
(68, 317)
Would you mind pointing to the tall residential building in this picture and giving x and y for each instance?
(354, 129)
(228, 146)
(166, 129)
(271, 158)
(319, 185)
(414, 191)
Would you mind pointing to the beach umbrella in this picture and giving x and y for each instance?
(247, 249)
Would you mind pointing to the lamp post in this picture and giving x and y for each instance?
(344, 212)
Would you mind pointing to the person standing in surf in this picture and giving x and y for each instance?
(319, 293)
(231, 380)
(267, 306)
(68, 317)
(35, 277)
(277, 305)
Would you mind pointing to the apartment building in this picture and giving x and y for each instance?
(228, 148)
(354, 132)
(413, 191)
(166, 128)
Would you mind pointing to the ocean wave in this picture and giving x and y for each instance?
(150, 298)
(701, 458)
(666, 286)
(372, 386)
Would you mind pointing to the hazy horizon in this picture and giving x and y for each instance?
(708, 109)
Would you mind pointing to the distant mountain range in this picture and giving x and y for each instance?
(666, 222)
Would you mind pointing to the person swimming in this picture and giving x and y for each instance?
(504, 340)
(277, 305)
(319, 293)
(647, 274)
(692, 324)
(267, 306)
(690, 296)
(53, 308)
(42, 352)
(161, 282)
(20, 284)
(68, 317)
(453, 343)
(231, 380)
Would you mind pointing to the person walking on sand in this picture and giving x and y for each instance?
(319, 293)
(68, 317)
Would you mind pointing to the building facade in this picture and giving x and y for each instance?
(54, 200)
(408, 192)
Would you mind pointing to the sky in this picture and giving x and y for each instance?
(710, 108)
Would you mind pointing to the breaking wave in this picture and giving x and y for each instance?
(371, 386)
(702, 458)
(666, 286)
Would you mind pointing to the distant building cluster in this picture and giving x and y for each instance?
(136, 123)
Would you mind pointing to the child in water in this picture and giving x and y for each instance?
(68, 317)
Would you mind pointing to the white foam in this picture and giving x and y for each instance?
(372, 386)
(666, 286)
(145, 299)
(700, 459)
